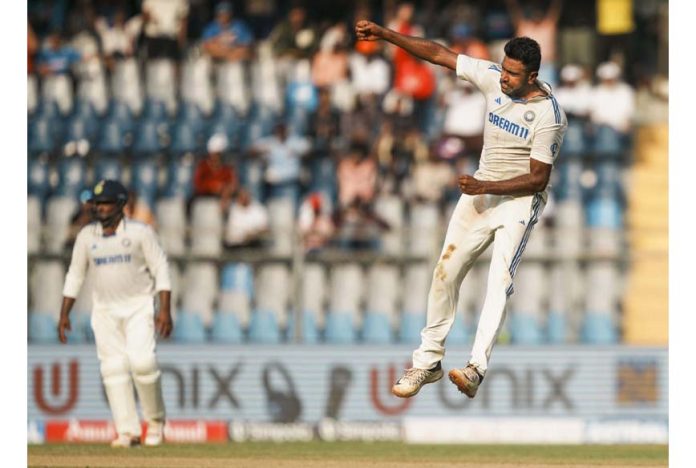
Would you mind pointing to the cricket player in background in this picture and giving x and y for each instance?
(128, 265)
(500, 203)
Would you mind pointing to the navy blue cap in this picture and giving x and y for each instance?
(109, 191)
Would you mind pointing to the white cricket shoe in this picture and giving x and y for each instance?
(467, 380)
(125, 441)
(155, 433)
(413, 379)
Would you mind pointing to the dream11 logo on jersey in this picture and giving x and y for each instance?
(61, 398)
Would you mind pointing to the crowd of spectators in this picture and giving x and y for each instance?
(352, 120)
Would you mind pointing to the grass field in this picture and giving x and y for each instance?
(349, 454)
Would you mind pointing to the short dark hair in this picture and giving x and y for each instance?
(526, 50)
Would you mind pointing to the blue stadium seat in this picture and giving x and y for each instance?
(323, 178)
(38, 183)
(376, 328)
(608, 143)
(180, 178)
(190, 114)
(107, 168)
(84, 110)
(155, 110)
(42, 328)
(524, 329)
(556, 328)
(120, 112)
(79, 323)
(238, 277)
(604, 211)
(301, 94)
(263, 327)
(575, 142)
(251, 177)
(183, 139)
(459, 333)
(598, 328)
(339, 328)
(111, 139)
(146, 141)
(310, 334)
(71, 177)
(41, 138)
(144, 179)
(568, 186)
(298, 121)
(47, 109)
(410, 327)
(226, 329)
(189, 328)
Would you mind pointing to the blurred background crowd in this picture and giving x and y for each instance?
(293, 173)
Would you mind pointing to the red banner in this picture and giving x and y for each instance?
(101, 431)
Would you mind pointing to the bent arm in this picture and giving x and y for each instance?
(422, 48)
(527, 184)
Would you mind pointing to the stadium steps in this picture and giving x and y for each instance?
(645, 319)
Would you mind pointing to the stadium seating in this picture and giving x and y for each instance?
(179, 181)
(391, 209)
(376, 328)
(42, 328)
(126, 85)
(33, 224)
(263, 327)
(160, 83)
(171, 217)
(58, 89)
(206, 226)
(38, 183)
(72, 177)
(59, 211)
(189, 328)
(46, 287)
(309, 331)
(232, 87)
(226, 329)
(196, 85)
(340, 327)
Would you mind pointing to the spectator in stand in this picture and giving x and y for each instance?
(357, 176)
(359, 227)
(324, 131)
(464, 42)
(117, 37)
(227, 38)
(247, 222)
(330, 63)
(164, 28)
(612, 101)
(542, 26)
(32, 48)
(315, 222)
(574, 96)
(464, 117)
(212, 176)
(82, 217)
(432, 179)
(56, 57)
(369, 71)
(283, 155)
(294, 37)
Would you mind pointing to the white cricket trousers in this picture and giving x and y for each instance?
(477, 221)
(126, 349)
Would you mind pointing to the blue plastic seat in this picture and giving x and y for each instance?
(339, 328)
(556, 328)
(191, 115)
(41, 138)
(47, 109)
(155, 110)
(238, 277)
(459, 333)
(79, 323)
(145, 178)
(604, 211)
(608, 143)
(226, 329)
(188, 328)
(120, 112)
(107, 168)
(575, 142)
(111, 139)
(310, 334)
(42, 328)
(183, 139)
(38, 183)
(146, 141)
(84, 110)
(263, 327)
(376, 328)
(525, 329)
(71, 177)
(410, 327)
(180, 178)
(598, 328)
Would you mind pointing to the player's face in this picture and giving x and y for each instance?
(105, 211)
(515, 79)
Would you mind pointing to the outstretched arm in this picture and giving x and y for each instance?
(421, 48)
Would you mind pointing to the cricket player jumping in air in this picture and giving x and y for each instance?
(128, 265)
(500, 203)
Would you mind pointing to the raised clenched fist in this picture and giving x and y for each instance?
(367, 31)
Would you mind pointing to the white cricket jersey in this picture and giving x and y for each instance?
(515, 129)
(128, 267)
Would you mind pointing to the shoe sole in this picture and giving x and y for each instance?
(395, 391)
(458, 378)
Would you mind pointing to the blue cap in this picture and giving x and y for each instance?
(107, 190)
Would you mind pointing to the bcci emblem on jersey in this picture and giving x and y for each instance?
(529, 116)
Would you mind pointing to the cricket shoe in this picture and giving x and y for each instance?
(413, 379)
(125, 441)
(467, 380)
(155, 433)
